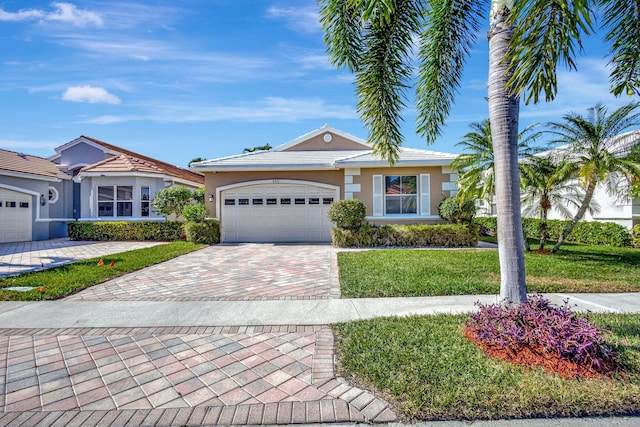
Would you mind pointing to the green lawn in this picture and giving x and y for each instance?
(430, 371)
(65, 280)
(412, 272)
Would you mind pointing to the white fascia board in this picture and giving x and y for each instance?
(29, 176)
(85, 141)
(382, 163)
(263, 168)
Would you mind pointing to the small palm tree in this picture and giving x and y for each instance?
(592, 144)
(475, 166)
(546, 186)
(265, 147)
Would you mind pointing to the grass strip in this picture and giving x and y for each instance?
(412, 272)
(61, 281)
(431, 372)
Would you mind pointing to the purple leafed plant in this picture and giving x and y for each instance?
(538, 325)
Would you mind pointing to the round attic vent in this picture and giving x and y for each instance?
(327, 138)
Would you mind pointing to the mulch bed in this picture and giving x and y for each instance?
(551, 362)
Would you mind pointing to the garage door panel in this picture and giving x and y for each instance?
(287, 213)
(15, 216)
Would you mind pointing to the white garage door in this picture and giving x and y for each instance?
(276, 213)
(15, 216)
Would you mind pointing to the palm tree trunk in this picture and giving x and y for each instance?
(503, 114)
(543, 228)
(588, 195)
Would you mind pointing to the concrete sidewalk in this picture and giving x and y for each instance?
(134, 314)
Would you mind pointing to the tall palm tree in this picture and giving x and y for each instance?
(546, 186)
(375, 40)
(475, 166)
(592, 143)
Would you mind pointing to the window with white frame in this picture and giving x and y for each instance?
(144, 201)
(115, 200)
(54, 195)
(401, 195)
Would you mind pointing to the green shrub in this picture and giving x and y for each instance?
(456, 210)
(446, 235)
(349, 214)
(635, 236)
(206, 232)
(587, 232)
(195, 212)
(120, 230)
(171, 200)
(487, 225)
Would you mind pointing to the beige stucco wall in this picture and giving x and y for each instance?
(365, 179)
(337, 143)
(337, 178)
(214, 180)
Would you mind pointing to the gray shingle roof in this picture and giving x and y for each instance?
(315, 160)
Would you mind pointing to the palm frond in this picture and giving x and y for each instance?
(448, 36)
(622, 18)
(547, 32)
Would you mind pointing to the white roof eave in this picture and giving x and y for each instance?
(261, 168)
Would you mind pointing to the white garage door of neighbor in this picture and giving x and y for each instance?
(276, 213)
(15, 216)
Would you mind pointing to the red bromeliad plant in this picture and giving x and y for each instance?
(538, 333)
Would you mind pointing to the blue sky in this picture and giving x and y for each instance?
(181, 79)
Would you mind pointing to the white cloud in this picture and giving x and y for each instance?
(63, 12)
(17, 144)
(90, 94)
(21, 15)
(272, 109)
(305, 19)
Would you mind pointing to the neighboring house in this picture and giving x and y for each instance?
(86, 180)
(33, 198)
(283, 195)
(612, 207)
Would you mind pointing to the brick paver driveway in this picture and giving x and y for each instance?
(249, 271)
(179, 375)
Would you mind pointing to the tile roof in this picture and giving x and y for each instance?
(123, 163)
(323, 159)
(13, 161)
(129, 161)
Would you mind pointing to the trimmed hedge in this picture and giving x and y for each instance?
(587, 232)
(121, 230)
(206, 232)
(448, 235)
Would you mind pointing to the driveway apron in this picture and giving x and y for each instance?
(230, 272)
(190, 375)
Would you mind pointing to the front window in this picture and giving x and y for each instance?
(144, 204)
(401, 195)
(115, 200)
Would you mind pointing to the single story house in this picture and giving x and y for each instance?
(86, 180)
(283, 194)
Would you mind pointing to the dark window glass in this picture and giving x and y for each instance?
(327, 200)
(257, 201)
(285, 201)
(0, 204)
(229, 202)
(314, 201)
(401, 194)
(11, 204)
(300, 201)
(272, 201)
(105, 194)
(243, 201)
(24, 204)
(125, 192)
(125, 209)
(144, 209)
(105, 209)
